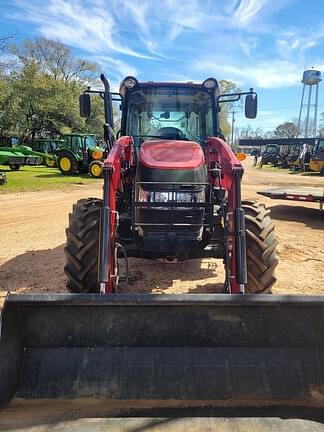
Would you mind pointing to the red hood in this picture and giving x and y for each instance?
(171, 154)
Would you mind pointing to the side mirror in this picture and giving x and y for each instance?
(85, 105)
(251, 105)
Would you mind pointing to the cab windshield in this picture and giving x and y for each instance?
(272, 148)
(320, 146)
(170, 113)
(89, 141)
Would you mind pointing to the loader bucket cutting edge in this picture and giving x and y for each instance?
(172, 350)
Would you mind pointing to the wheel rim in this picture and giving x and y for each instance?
(50, 162)
(65, 164)
(96, 170)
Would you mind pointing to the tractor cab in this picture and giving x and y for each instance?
(317, 157)
(80, 144)
(159, 111)
(271, 155)
(272, 149)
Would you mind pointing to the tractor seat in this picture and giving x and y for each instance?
(171, 133)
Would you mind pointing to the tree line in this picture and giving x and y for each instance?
(287, 129)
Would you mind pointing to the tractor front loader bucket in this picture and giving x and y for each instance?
(179, 351)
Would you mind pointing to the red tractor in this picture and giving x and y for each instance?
(172, 189)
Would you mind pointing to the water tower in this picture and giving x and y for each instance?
(307, 125)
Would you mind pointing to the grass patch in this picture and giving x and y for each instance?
(35, 178)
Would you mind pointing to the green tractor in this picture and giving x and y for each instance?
(80, 153)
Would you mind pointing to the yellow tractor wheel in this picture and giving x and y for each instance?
(67, 163)
(50, 163)
(95, 169)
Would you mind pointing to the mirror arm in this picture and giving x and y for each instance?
(237, 96)
(118, 97)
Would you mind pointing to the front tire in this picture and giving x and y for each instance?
(14, 167)
(82, 247)
(261, 245)
(95, 169)
(67, 163)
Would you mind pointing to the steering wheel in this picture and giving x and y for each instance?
(171, 133)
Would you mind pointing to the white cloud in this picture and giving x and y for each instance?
(192, 37)
(265, 74)
(297, 42)
(94, 29)
(248, 44)
(247, 10)
(135, 28)
(120, 67)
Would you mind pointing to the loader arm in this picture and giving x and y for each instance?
(219, 154)
(116, 172)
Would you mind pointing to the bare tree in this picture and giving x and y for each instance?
(5, 62)
(286, 130)
(249, 132)
(55, 59)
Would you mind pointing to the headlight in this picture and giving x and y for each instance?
(210, 83)
(130, 82)
(172, 197)
(97, 154)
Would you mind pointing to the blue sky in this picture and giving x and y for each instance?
(264, 44)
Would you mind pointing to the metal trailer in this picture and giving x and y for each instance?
(299, 193)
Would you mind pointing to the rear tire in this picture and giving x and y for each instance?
(82, 247)
(50, 163)
(14, 167)
(261, 245)
(67, 163)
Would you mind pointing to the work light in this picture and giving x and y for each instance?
(130, 82)
(210, 83)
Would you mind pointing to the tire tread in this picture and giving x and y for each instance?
(261, 245)
(82, 245)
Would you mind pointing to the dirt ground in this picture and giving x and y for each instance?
(32, 232)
